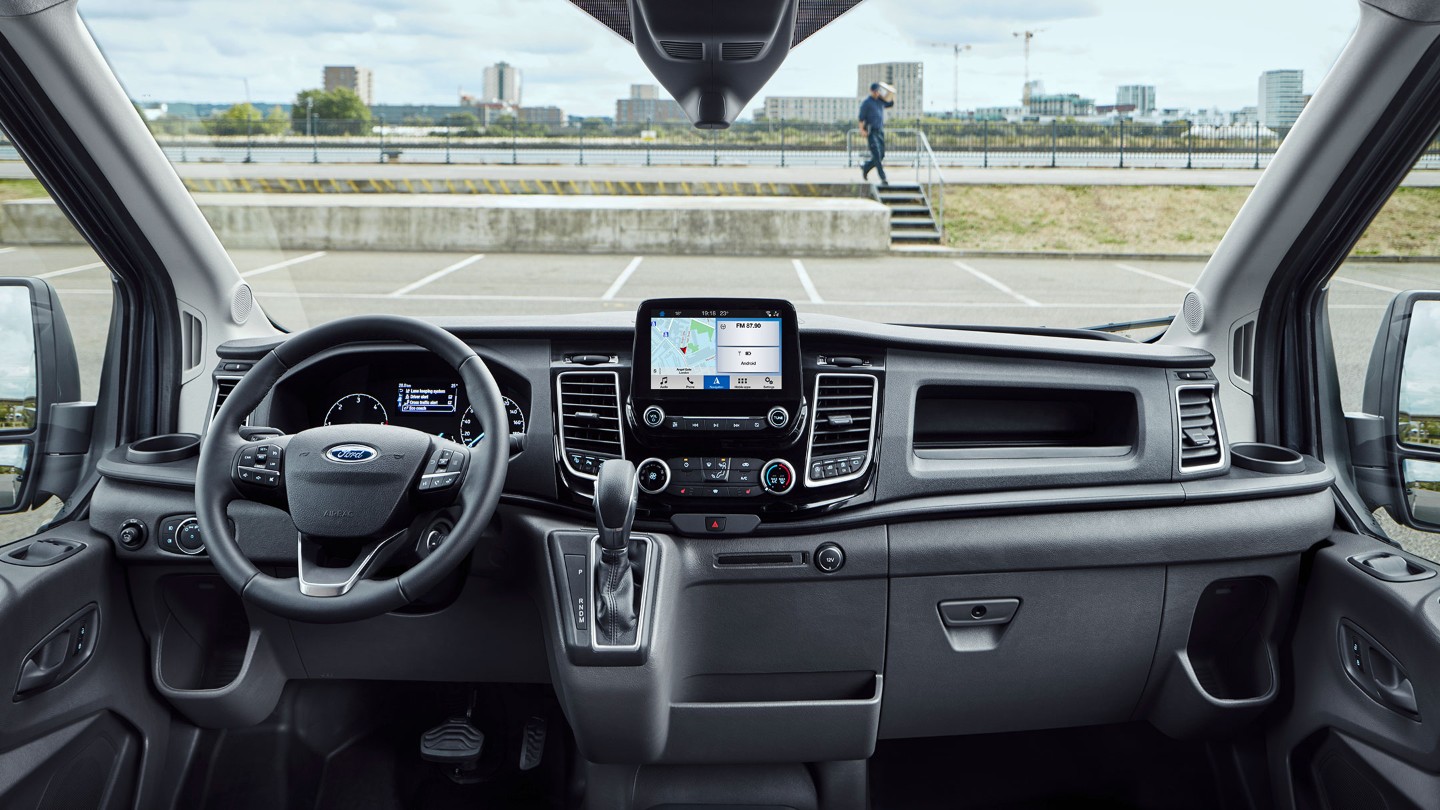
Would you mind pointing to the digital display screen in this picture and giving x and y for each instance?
(715, 350)
(411, 398)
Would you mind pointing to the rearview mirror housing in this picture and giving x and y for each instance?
(38, 370)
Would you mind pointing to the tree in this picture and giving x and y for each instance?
(238, 119)
(462, 120)
(337, 112)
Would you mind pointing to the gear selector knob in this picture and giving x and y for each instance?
(616, 490)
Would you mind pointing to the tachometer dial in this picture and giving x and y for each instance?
(471, 432)
(357, 409)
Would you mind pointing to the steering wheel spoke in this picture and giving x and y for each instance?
(331, 567)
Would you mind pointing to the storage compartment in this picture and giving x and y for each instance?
(1225, 674)
(1227, 643)
(209, 662)
(1076, 650)
(817, 717)
(964, 422)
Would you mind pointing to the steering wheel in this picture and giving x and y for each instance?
(352, 491)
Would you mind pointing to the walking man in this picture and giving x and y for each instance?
(872, 126)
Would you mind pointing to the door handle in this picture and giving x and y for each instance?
(1400, 696)
(44, 665)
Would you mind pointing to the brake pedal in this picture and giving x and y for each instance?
(455, 744)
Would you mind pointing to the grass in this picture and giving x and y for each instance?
(1152, 219)
(21, 190)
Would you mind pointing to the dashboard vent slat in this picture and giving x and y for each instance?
(1198, 429)
(589, 420)
(223, 388)
(842, 428)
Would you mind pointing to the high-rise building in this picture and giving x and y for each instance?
(817, 109)
(1282, 96)
(1139, 96)
(645, 106)
(502, 84)
(908, 78)
(359, 80)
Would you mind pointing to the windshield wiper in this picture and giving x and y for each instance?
(1125, 326)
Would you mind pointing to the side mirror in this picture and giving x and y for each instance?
(38, 370)
(1396, 442)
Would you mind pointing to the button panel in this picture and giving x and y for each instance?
(180, 534)
(836, 466)
(709, 424)
(587, 463)
(259, 464)
(443, 470)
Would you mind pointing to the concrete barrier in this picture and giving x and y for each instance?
(514, 223)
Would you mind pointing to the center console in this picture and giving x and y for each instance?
(725, 418)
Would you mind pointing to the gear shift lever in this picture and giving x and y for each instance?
(616, 608)
(616, 489)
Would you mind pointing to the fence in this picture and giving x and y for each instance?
(1117, 144)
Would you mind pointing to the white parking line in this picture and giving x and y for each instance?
(7, 250)
(997, 284)
(1367, 285)
(282, 265)
(1146, 273)
(437, 275)
(806, 282)
(67, 271)
(622, 278)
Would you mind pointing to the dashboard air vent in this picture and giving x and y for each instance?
(683, 50)
(223, 387)
(1201, 445)
(590, 427)
(737, 51)
(842, 428)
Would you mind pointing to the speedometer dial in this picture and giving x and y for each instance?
(471, 432)
(357, 409)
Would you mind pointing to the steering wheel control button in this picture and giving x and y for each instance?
(829, 558)
(259, 465)
(653, 475)
(778, 417)
(654, 417)
(443, 470)
(777, 477)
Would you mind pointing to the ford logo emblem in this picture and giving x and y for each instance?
(352, 453)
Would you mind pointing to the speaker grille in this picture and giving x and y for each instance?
(241, 303)
(1193, 312)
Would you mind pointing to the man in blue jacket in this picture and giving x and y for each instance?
(872, 126)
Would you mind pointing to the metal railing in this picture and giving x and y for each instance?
(907, 146)
(1116, 144)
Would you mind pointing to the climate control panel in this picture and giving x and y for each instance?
(715, 477)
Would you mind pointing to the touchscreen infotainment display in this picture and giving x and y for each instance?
(716, 350)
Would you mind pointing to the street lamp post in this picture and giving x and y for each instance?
(249, 133)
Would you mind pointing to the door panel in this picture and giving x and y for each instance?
(1364, 727)
(77, 714)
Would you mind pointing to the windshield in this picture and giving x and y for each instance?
(1063, 164)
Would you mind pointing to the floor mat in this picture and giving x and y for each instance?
(1129, 767)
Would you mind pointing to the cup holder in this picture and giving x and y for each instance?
(163, 449)
(1266, 458)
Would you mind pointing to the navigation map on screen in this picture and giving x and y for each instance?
(714, 351)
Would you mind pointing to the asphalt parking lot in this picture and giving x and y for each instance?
(303, 288)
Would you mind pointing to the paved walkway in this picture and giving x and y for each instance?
(713, 174)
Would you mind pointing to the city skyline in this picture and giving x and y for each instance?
(573, 63)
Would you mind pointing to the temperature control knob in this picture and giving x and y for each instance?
(777, 476)
(654, 476)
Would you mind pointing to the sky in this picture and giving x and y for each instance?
(425, 51)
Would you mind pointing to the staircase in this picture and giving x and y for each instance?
(912, 222)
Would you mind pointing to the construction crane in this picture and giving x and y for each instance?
(958, 49)
(1027, 35)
